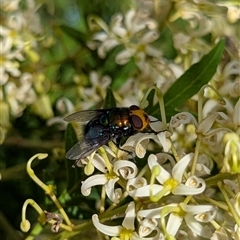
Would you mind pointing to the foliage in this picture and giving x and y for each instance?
(179, 60)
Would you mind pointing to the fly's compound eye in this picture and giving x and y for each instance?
(136, 122)
(139, 119)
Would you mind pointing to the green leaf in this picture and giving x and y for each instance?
(70, 137)
(110, 101)
(70, 140)
(194, 78)
(75, 34)
(191, 81)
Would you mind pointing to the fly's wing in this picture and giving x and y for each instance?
(94, 139)
(84, 116)
(82, 149)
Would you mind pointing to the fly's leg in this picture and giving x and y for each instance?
(118, 145)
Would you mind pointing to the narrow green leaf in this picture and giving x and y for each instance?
(70, 137)
(194, 78)
(74, 33)
(191, 81)
(110, 101)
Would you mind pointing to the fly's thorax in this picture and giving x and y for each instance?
(119, 120)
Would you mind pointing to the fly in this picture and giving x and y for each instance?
(104, 125)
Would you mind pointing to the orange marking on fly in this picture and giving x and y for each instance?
(139, 119)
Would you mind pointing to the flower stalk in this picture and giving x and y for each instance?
(49, 189)
(228, 202)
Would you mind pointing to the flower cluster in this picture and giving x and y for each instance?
(20, 33)
(172, 196)
(180, 179)
(169, 194)
(134, 34)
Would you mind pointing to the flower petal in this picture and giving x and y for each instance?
(187, 189)
(202, 170)
(129, 19)
(145, 191)
(173, 224)
(198, 228)
(148, 225)
(101, 36)
(139, 138)
(182, 118)
(236, 114)
(162, 136)
(150, 213)
(99, 163)
(164, 175)
(206, 217)
(149, 37)
(99, 179)
(153, 52)
(113, 194)
(179, 168)
(220, 233)
(207, 123)
(125, 168)
(135, 183)
(155, 124)
(107, 230)
(124, 56)
(195, 209)
(129, 219)
(120, 31)
(158, 236)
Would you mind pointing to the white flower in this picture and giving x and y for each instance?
(220, 233)
(108, 179)
(140, 141)
(95, 93)
(10, 6)
(231, 161)
(19, 97)
(204, 165)
(193, 216)
(165, 142)
(127, 230)
(166, 182)
(204, 128)
(231, 185)
(182, 118)
(140, 50)
(236, 114)
(133, 31)
(127, 227)
(9, 61)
